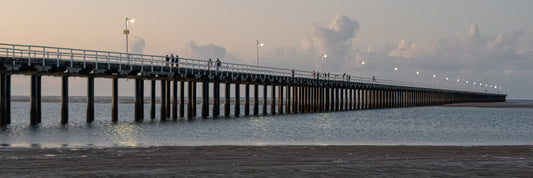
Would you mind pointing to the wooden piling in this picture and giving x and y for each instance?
(227, 99)
(194, 96)
(237, 106)
(182, 99)
(114, 99)
(216, 98)
(205, 98)
(265, 99)
(90, 99)
(64, 99)
(273, 100)
(247, 99)
(256, 99)
(280, 99)
(168, 93)
(288, 99)
(163, 101)
(189, 99)
(139, 100)
(3, 89)
(152, 99)
(175, 100)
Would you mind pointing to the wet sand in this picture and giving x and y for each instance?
(490, 105)
(270, 161)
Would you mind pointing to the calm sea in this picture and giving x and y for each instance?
(406, 126)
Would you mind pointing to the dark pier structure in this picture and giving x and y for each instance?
(292, 91)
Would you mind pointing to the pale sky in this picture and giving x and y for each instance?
(477, 40)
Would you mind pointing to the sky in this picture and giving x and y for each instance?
(483, 41)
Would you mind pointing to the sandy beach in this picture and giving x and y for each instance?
(270, 161)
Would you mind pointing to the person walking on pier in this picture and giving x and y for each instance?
(167, 59)
(218, 64)
(209, 64)
(171, 59)
(293, 73)
(373, 78)
(176, 61)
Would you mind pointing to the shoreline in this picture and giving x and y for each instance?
(490, 105)
(270, 161)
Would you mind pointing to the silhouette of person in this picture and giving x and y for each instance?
(218, 64)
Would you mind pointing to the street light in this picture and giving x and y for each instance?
(258, 44)
(127, 32)
(416, 76)
(361, 71)
(323, 56)
(433, 80)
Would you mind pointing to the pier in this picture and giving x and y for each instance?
(292, 91)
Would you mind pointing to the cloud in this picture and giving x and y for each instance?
(138, 45)
(334, 39)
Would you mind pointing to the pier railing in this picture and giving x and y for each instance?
(156, 63)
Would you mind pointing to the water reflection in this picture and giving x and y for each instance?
(415, 126)
(124, 134)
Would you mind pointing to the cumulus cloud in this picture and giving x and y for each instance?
(333, 39)
(138, 45)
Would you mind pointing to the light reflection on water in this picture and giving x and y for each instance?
(405, 126)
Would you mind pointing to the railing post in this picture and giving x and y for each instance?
(84, 58)
(96, 60)
(107, 59)
(58, 56)
(71, 59)
(29, 54)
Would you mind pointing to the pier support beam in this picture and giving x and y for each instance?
(90, 98)
(167, 105)
(237, 108)
(139, 100)
(294, 99)
(227, 99)
(327, 99)
(114, 100)
(4, 99)
(216, 98)
(288, 99)
(265, 99)
(273, 100)
(152, 99)
(194, 86)
(247, 99)
(8, 99)
(182, 99)
(64, 99)
(189, 99)
(256, 99)
(280, 99)
(205, 98)
(34, 100)
(175, 100)
(337, 102)
(163, 100)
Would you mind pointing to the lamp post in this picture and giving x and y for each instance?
(127, 32)
(395, 69)
(433, 81)
(445, 82)
(258, 44)
(457, 84)
(361, 71)
(416, 76)
(323, 62)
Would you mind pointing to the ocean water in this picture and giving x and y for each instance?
(433, 125)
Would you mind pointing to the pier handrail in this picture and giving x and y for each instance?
(148, 62)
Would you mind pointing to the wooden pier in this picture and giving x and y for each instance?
(292, 91)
